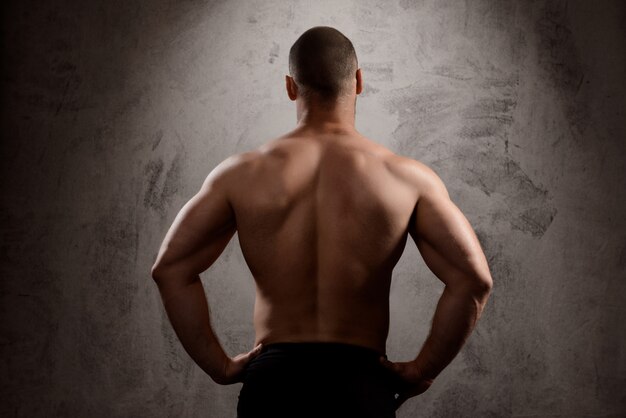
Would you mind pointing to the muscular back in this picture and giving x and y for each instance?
(322, 221)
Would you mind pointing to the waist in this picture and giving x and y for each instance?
(313, 355)
(322, 349)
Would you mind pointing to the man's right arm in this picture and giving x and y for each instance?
(453, 253)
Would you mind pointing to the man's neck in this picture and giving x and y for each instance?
(333, 117)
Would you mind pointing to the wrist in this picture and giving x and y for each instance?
(214, 361)
(420, 373)
(219, 371)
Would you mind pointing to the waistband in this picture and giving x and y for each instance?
(317, 348)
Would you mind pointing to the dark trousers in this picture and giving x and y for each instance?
(317, 379)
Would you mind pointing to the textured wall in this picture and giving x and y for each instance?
(113, 113)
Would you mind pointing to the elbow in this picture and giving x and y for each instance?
(482, 285)
(477, 285)
(486, 284)
(169, 275)
(156, 272)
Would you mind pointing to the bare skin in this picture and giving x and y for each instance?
(323, 215)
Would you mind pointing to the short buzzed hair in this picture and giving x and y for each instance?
(322, 61)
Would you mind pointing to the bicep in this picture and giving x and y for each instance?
(445, 237)
(199, 233)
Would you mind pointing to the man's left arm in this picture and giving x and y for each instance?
(197, 237)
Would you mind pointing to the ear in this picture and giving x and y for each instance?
(292, 88)
(359, 81)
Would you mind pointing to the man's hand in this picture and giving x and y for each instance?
(411, 382)
(233, 368)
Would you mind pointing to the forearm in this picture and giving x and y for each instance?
(188, 312)
(455, 317)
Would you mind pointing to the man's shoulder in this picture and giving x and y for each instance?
(234, 167)
(411, 170)
(240, 163)
(399, 163)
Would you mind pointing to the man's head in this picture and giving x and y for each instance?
(323, 64)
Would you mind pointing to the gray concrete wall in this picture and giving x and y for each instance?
(113, 113)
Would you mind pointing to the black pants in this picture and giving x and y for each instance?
(316, 379)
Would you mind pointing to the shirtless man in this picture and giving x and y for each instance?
(323, 215)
